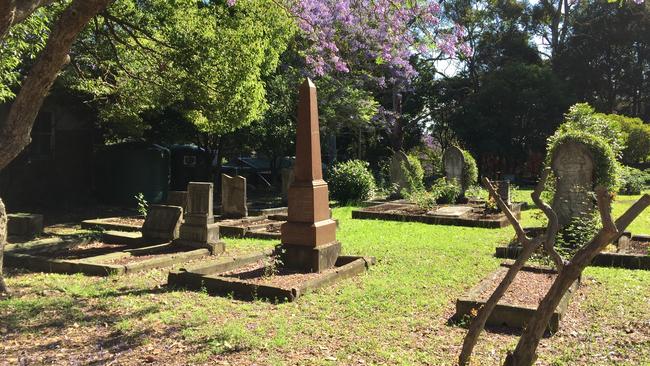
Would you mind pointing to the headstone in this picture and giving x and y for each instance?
(309, 235)
(452, 211)
(177, 198)
(573, 166)
(454, 163)
(503, 189)
(24, 224)
(233, 196)
(287, 179)
(162, 223)
(198, 228)
(397, 174)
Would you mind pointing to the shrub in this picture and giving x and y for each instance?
(423, 199)
(631, 180)
(445, 191)
(470, 171)
(577, 233)
(414, 173)
(351, 181)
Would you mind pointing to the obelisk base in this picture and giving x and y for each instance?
(308, 258)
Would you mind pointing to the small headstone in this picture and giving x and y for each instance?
(177, 198)
(454, 162)
(452, 211)
(398, 163)
(503, 189)
(24, 224)
(233, 196)
(198, 229)
(162, 223)
(573, 166)
(287, 179)
(623, 243)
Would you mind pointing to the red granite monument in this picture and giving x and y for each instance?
(309, 235)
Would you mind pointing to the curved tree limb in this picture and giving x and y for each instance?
(525, 352)
(553, 225)
(529, 247)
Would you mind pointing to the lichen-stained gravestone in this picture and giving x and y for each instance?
(573, 165)
(398, 166)
(309, 235)
(454, 163)
(233, 196)
(198, 229)
(162, 223)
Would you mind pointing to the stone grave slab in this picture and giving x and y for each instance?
(233, 196)
(573, 166)
(398, 162)
(452, 211)
(24, 224)
(162, 223)
(198, 228)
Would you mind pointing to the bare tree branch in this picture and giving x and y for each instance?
(553, 225)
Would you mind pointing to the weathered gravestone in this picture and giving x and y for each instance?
(198, 229)
(503, 189)
(398, 170)
(24, 224)
(573, 165)
(454, 163)
(162, 223)
(309, 235)
(287, 179)
(233, 196)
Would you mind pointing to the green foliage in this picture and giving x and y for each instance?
(426, 200)
(143, 205)
(470, 172)
(351, 181)
(605, 164)
(632, 180)
(636, 135)
(476, 191)
(206, 59)
(21, 46)
(414, 173)
(583, 118)
(577, 233)
(445, 191)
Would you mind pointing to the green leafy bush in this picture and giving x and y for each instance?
(445, 191)
(351, 181)
(632, 180)
(423, 199)
(414, 173)
(470, 171)
(577, 233)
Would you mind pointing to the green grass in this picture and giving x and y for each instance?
(396, 314)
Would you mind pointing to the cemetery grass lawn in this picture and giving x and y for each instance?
(396, 314)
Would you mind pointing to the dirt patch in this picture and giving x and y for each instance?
(133, 221)
(82, 250)
(638, 247)
(264, 273)
(247, 223)
(527, 289)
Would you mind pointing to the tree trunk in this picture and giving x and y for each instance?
(3, 241)
(7, 16)
(525, 352)
(16, 129)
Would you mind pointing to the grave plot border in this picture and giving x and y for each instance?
(510, 315)
(93, 266)
(604, 259)
(207, 277)
(368, 214)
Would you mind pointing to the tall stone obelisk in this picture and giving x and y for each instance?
(309, 235)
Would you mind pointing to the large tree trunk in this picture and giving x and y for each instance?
(3, 241)
(16, 129)
(525, 352)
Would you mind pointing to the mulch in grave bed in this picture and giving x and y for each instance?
(519, 302)
(80, 250)
(135, 221)
(254, 276)
(263, 272)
